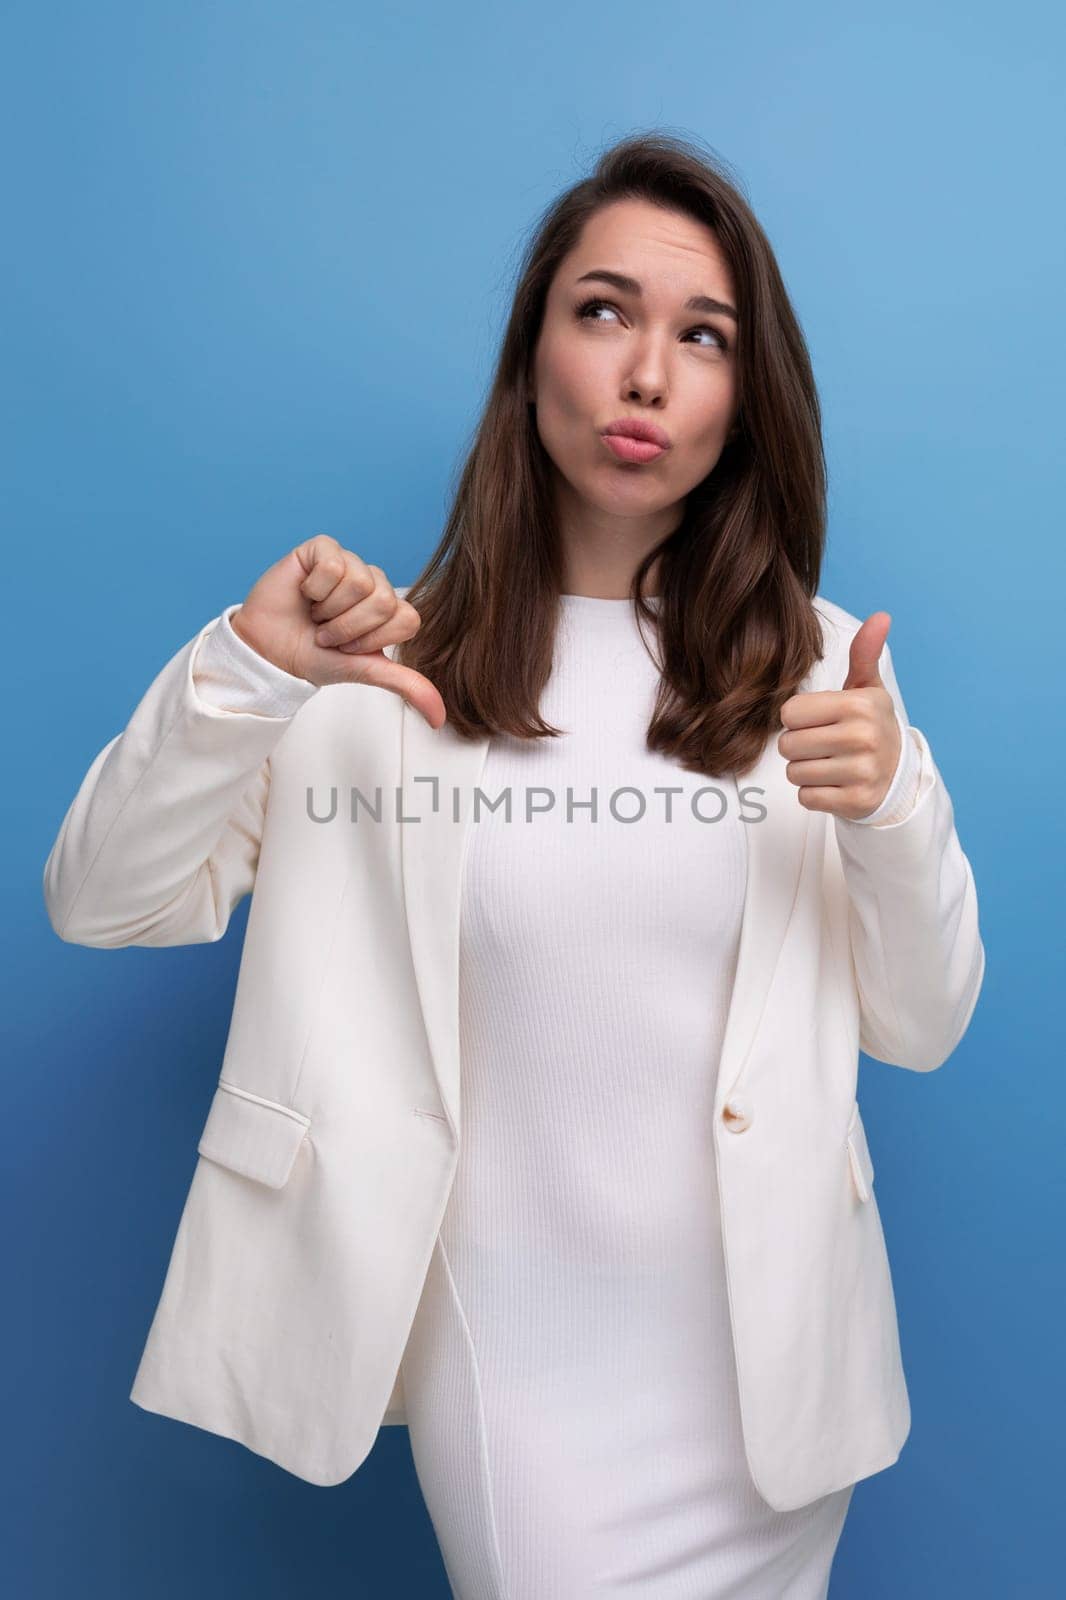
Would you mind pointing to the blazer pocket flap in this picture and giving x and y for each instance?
(862, 1167)
(257, 1138)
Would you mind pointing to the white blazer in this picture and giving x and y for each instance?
(330, 1145)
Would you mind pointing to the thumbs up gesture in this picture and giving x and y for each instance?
(843, 745)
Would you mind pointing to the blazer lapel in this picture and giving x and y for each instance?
(431, 855)
(432, 852)
(776, 847)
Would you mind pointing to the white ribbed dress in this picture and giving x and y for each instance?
(569, 1381)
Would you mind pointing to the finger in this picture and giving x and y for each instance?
(847, 737)
(816, 709)
(833, 771)
(821, 798)
(323, 562)
(811, 744)
(354, 631)
(865, 652)
(360, 584)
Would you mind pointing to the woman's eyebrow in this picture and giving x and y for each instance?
(696, 302)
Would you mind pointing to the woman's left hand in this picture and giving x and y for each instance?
(843, 745)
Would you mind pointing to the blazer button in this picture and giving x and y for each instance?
(737, 1113)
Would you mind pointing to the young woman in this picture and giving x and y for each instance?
(638, 1318)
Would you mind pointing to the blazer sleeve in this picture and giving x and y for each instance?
(913, 920)
(161, 841)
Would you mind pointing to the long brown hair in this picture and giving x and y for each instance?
(736, 629)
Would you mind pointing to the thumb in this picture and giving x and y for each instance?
(376, 668)
(865, 652)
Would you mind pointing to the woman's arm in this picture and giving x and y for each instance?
(919, 959)
(161, 841)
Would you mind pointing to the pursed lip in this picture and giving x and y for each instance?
(637, 428)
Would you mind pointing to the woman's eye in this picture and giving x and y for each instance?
(592, 305)
(723, 343)
(583, 315)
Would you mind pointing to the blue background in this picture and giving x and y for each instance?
(255, 265)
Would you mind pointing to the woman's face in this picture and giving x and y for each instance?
(607, 351)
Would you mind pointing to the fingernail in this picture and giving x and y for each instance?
(323, 636)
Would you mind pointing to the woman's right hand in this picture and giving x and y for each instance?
(319, 584)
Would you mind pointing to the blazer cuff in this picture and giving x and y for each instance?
(909, 839)
(231, 676)
(911, 778)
